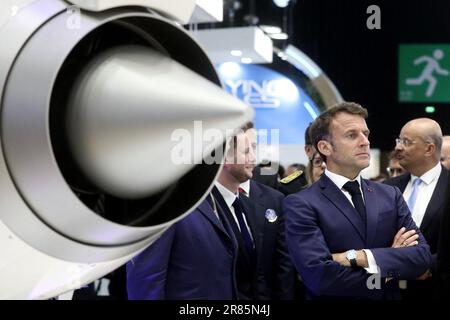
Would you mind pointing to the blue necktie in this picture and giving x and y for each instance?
(239, 212)
(413, 196)
(353, 188)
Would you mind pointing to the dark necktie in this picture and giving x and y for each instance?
(239, 212)
(353, 188)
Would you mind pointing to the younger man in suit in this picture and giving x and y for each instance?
(193, 260)
(264, 269)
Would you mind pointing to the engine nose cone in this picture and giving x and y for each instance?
(124, 109)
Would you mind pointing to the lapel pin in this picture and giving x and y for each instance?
(370, 189)
(271, 215)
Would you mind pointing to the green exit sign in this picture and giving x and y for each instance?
(424, 73)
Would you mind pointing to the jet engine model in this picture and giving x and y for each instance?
(94, 97)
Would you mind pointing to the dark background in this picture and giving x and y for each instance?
(362, 63)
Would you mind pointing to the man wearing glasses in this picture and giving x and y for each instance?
(316, 168)
(394, 168)
(418, 149)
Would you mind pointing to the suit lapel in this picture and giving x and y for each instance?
(229, 230)
(254, 206)
(208, 212)
(232, 223)
(372, 211)
(436, 199)
(340, 201)
(403, 181)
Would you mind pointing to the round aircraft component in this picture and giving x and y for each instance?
(87, 115)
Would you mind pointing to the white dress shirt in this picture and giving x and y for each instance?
(339, 181)
(246, 187)
(424, 192)
(229, 198)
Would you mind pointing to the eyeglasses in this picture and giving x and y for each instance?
(395, 170)
(405, 142)
(317, 162)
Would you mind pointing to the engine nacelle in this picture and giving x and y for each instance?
(89, 101)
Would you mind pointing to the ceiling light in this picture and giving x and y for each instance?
(281, 3)
(279, 36)
(282, 55)
(246, 60)
(251, 41)
(270, 29)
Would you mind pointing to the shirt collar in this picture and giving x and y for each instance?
(227, 195)
(339, 180)
(246, 187)
(429, 176)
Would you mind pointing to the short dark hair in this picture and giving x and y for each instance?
(320, 128)
(297, 165)
(249, 125)
(307, 135)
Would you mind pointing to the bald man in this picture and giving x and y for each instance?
(418, 150)
(445, 152)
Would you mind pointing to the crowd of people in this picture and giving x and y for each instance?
(320, 231)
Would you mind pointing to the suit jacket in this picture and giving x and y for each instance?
(194, 259)
(277, 274)
(320, 221)
(293, 186)
(431, 229)
(443, 256)
(270, 275)
(431, 223)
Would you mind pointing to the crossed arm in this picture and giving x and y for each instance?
(407, 257)
(402, 239)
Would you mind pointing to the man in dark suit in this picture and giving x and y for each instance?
(418, 150)
(264, 269)
(193, 260)
(443, 255)
(278, 276)
(350, 237)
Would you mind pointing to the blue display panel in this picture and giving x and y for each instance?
(279, 102)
